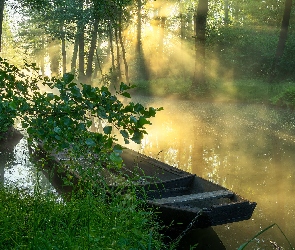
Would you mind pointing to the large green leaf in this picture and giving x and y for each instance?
(107, 130)
(69, 78)
(116, 158)
(90, 142)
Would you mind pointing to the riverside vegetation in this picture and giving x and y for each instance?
(62, 120)
(280, 94)
(87, 220)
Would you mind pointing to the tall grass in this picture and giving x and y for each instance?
(244, 245)
(86, 221)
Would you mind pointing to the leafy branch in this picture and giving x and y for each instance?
(63, 120)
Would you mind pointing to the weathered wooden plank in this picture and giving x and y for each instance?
(192, 197)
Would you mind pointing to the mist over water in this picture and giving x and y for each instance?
(246, 148)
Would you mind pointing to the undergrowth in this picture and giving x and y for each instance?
(243, 90)
(44, 221)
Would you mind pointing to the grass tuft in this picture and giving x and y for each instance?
(44, 221)
(243, 246)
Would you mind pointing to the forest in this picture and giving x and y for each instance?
(170, 44)
(68, 69)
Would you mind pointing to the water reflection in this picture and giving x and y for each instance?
(16, 168)
(246, 148)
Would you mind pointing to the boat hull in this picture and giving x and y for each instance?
(177, 196)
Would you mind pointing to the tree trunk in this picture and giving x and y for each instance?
(139, 17)
(226, 10)
(200, 39)
(42, 55)
(64, 55)
(161, 36)
(142, 69)
(81, 45)
(111, 46)
(97, 63)
(54, 55)
(118, 69)
(2, 3)
(182, 22)
(123, 48)
(92, 49)
(182, 65)
(282, 38)
(75, 55)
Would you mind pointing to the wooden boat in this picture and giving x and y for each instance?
(178, 196)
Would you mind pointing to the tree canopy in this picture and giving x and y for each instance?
(129, 40)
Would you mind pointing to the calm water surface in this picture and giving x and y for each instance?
(16, 168)
(249, 149)
(246, 148)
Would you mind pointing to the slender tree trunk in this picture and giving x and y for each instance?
(200, 39)
(161, 36)
(142, 69)
(64, 55)
(160, 61)
(41, 54)
(54, 55)
(123, 48)
(226, 16)
(81, 45)
(182, 66)
(2, 4)
(92, 49)
(42, 64)
(283, 37)
(139, 17)
(75, 55)
(97, 63)
(182, 17)
(182, 28)
(118, 69)
(111, 46)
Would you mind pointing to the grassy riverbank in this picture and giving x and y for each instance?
(42, 221)
(246, 91)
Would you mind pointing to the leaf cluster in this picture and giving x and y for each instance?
(62, 119)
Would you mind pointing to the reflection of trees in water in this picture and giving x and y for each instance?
(246, 148)
(15, 166)
(7, 144)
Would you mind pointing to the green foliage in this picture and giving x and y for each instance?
(10, 98)
(246, 51)
(6, 118)
(164, 86)
(41, 221)
(286, 98)
(63, 120)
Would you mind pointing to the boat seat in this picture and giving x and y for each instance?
(192, 197)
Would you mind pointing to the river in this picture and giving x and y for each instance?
(246, 148)
(249, 149)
